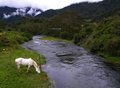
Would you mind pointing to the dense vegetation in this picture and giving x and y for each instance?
(12, 38)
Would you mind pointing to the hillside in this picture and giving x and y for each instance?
(88, 10)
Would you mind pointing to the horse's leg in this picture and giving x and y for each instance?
(18, 66)
(28, 68)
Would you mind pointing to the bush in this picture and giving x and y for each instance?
(77, 38)
(12, 38)
(65, 35)
(113, 46)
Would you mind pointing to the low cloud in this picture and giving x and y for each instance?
(42, 4)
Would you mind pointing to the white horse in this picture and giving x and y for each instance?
(27, 61)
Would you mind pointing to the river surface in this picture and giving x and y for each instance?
(71, 66)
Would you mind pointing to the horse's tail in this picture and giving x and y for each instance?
(36, 67)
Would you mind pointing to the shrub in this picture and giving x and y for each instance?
(77, 38)
(65, 35)
(113, 46)
(12, 38)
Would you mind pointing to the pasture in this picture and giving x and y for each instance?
(10, 77)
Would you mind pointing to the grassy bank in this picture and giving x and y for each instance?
(55, 39)
(10, 77)
(112, 60)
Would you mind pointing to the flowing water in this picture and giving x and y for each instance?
(71, 66)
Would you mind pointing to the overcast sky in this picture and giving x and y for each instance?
(42, 4)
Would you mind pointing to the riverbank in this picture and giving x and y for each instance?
(10, 77)
(10, 49)
(111, 60)
(50, 38)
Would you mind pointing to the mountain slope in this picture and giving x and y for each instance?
(88, 10)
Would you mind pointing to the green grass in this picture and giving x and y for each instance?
(115, 61)
(55, 39)
(10, 77)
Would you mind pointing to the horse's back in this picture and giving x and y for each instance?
(24, 61)
(27, 61)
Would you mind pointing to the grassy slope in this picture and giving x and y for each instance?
(10, 77)
(55, 39)
(112, 60)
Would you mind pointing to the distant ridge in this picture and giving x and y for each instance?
(96, 10)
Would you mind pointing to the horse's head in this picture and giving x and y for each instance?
(38, 70)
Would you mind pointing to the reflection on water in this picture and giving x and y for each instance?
(70, 66)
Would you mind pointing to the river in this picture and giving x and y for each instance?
(71, 66)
